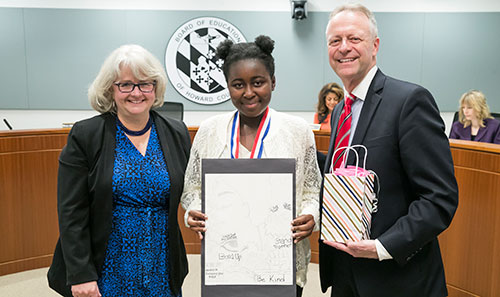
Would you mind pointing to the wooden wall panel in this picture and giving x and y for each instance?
(470, 239)
(192, 132)
(28, 187)
(322, 141)
(191, 239)
(470, 245)
(313, 239)
(456, 292)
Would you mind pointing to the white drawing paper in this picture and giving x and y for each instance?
(249, 239)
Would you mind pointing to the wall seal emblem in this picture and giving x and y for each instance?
(191, 64)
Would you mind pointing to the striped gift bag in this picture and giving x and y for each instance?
(348, 203)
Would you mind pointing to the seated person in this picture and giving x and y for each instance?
(475, 121)
(328, 97)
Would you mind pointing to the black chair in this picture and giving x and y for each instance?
(173, 110)
(496, 115)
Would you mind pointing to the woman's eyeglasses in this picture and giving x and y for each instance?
(128, 87)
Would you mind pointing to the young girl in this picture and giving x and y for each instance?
(249, 72)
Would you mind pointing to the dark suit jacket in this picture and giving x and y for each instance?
(490, 133)
(85, 205)
(401, 127)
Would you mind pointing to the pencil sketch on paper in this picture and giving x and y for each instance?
(248, 239)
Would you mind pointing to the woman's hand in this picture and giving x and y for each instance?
(302, 227)
(89, 289)
(196, 221)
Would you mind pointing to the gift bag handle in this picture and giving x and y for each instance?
(366, 153)
(355, 153)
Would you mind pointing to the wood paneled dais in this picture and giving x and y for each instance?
(28, 197)
(470, 246)
(28, 209)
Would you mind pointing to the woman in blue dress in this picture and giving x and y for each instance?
(120, 178)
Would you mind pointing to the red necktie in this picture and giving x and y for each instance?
(343, 131)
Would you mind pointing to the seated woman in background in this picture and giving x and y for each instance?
(120, 179)
(328, 97)
(475, 121)
(249, 72)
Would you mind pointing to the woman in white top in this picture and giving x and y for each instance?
(249, 72)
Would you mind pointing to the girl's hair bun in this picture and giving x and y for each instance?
(224, 48)
(265, 43)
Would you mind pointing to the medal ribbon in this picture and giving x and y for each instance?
(258, 144)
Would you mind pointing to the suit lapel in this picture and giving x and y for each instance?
(108, 159)
(468, 132)
(372, 100)
(335, 116)
(165, 138)
(169, 147)
(480, 134)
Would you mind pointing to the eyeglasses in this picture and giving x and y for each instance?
(128, 87)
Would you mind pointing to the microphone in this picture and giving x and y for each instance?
(7, 123)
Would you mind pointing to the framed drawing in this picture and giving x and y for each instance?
(248, 248)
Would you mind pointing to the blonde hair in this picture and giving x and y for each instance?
(144, 67)
(355, 7)
(477, 101)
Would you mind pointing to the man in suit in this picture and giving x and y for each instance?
(399, 123)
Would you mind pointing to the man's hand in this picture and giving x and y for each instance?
(359, 249)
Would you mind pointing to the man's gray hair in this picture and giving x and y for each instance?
(358, 8)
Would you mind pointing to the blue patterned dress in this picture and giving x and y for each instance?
(136, 262)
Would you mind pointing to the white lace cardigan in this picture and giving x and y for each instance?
(288, 137)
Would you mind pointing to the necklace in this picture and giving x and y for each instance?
(135, 133)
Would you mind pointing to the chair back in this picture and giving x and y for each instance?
(496, 115)
(173, 110)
